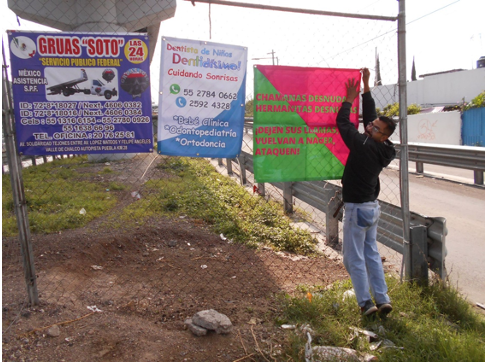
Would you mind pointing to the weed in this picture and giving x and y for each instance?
(115, 186)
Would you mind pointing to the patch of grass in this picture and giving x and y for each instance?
(54, 198)
(195, 189)
(432, 323)
(116, 186)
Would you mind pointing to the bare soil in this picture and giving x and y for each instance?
(123, 295)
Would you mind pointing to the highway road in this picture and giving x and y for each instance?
(451, 194)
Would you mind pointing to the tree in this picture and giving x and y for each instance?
(249, 108)
(414, 74)
(377, 71)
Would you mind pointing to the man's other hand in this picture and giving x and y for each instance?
(366, 79)
(351, 90)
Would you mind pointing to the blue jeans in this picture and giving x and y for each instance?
(360, 252)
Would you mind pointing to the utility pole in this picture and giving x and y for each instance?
(273, 56)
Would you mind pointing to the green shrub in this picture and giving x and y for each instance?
(391, 110)
(477, 102)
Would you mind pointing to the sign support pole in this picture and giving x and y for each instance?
(20, 204)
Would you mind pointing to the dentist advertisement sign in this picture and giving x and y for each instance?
(201, 98)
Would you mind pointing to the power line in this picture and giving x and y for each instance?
(392, 30)
(433, 12)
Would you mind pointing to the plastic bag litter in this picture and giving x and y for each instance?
(94, 308)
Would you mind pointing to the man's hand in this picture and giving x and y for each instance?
(366, 79)
(351, 90)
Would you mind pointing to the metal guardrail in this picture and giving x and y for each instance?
(464, 157)
(467, 157)
(32, 160)
(325, 197)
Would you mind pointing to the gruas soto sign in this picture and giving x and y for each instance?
(81, 93)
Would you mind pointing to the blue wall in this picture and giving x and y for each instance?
(473, 127)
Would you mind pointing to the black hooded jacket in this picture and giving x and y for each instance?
(366, 158)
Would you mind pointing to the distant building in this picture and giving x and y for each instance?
(448, 88)
(444, 72)
(480, 62)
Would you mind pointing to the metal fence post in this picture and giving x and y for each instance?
(332, 222)
(437, 251)
(418, 254)
(288, 200)
(419, 167)
(241, 159)
(478, 177)
(20, 204)
(261, 189)
(229, 166)
(402, 90)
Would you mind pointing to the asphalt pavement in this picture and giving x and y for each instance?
(451, 193)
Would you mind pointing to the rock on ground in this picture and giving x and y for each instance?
(212, 320)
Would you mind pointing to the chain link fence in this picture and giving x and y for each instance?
(112, 235)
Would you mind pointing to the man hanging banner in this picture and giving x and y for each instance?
(201, 98)
(295, 137)
(81, 93)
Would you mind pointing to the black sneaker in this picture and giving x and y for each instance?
(369, 308)
(384, 309)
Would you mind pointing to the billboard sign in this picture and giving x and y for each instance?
(81, 93)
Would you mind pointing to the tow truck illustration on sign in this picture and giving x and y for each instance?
(97, 86)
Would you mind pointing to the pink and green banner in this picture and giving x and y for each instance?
(295, 137)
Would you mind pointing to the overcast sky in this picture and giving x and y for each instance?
(441, 34)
